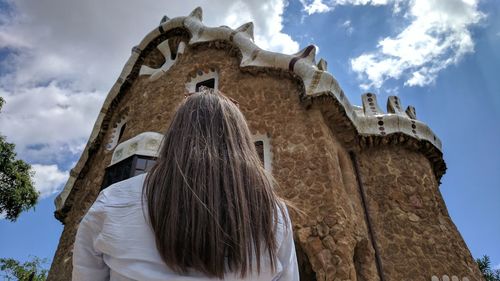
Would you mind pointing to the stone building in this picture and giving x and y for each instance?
(367, 180)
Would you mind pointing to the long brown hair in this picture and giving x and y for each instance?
(211, 204)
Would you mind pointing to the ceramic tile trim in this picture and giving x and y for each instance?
(144, 144)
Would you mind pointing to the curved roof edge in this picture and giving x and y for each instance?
(368, 119)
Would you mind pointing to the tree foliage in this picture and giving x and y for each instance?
(32, 270)
(17, 193)
(489, 274)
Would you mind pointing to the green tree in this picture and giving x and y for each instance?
(17, 193)
(489, 274)
(32, 270)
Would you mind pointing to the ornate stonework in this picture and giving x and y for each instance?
(167, 53)
(144, 144)
(117, 129)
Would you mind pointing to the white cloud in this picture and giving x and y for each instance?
(362, 2)
(88, 42)
(497, 267)
(268, 23)
(316, 6)
(48, 123)
(392, 91)
(48, 179)
(320, 6)
(64, 56)
(437, 37)
(9, 40)
(348, 27)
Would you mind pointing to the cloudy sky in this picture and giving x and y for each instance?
(59, 58)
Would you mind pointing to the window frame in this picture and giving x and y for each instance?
(106, 181)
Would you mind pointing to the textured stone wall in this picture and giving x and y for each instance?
(324, 186)
(311, 166)
(414, 232)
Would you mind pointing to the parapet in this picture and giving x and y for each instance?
(371, 120)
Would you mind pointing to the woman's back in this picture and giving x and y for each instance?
(207, 207)
(115, 242)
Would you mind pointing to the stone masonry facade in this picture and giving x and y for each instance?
(371, 206)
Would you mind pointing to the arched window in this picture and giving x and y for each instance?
(259, 146)
(263, 147)
(202, 77)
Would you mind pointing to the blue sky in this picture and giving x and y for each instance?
(58, 59)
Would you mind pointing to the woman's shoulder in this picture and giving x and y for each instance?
(128, 190)
(117, 198)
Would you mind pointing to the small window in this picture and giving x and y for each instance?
(259, 146)
(118, 172)
(263, 148)
(210, 83)
(143, 165)
(140, 164)
(205, 76)
(130, 167)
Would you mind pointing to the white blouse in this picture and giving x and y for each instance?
(115, 242)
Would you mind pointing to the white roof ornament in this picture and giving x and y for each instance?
(308, 54)
(412, 113)
(322, 65)
(164, 48)
(144, 144)
(197, 13)
(164, 19)
(247, 29)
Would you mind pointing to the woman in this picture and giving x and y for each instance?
(206, 211)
